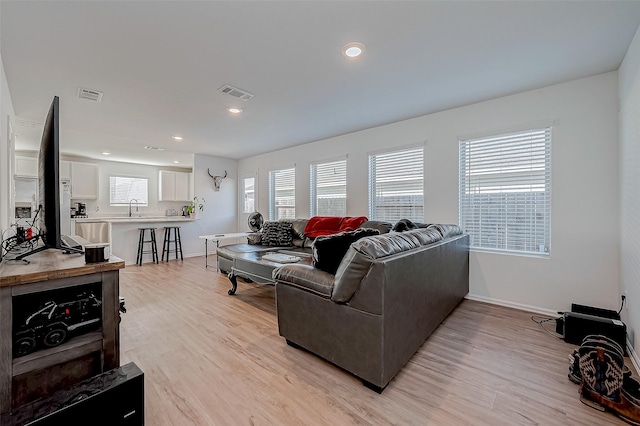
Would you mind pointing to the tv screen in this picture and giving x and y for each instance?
(49, 178)
(49, 187)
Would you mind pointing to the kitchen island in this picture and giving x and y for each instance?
(121, 232)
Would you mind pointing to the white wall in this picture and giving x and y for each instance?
(6, 149)
(114, 168)
(629, 95)
(583, 267)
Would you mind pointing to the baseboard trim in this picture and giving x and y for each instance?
(505, 303)
(633, 355)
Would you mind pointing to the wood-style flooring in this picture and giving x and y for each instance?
(214, 359)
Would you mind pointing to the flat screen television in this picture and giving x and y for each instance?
(49, 185)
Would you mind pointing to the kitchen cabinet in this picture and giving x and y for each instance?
(174, 186)
(26, 167)
(84, 181)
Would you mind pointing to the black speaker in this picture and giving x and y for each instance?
(113, 398)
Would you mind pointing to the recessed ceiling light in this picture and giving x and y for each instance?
(106, 153)
(178, 138)
(234, 110)
(353, 50)
(176, 161)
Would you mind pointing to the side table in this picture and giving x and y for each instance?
(217, 238)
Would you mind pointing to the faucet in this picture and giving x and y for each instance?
(130, 201)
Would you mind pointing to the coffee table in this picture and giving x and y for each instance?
(252, 265)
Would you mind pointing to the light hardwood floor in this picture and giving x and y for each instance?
(214, 359)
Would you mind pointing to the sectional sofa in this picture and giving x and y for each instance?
(387, 295)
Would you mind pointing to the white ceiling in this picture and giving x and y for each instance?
(160, 64)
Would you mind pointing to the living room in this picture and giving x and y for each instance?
(593, 257)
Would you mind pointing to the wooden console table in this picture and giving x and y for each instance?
(44, 371)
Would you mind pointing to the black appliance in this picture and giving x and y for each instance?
(81, 209)
(585, 320)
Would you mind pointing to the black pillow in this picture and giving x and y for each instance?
(404, 225)
(277, 234)
(329, 250)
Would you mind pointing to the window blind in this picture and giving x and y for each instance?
(396, 185)
(505, 191)
(282, 194)
(329, 188)
(124, 189)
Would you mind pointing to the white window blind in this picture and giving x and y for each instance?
(329, 188)
(505, 191)
(282, 194)
(396, 185)
(124, 189)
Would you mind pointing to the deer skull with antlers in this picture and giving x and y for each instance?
(217, 180)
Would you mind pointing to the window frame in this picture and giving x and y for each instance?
(273, 207)
(313, 186)
(373, 184)
(125, 176)
(531, 202)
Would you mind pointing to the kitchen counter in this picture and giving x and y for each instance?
(135, 219)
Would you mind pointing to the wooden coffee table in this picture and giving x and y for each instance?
(252, 266)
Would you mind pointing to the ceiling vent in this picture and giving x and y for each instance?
(28, 124)
(92, 95)
(235, 92)
(154, 148)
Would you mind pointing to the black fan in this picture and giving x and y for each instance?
(255, 221)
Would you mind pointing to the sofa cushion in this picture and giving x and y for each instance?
(358, 258)
(447, 230)
(305, 277)
(277, 234)
(329, 250)
(383, 227)
(297, 228)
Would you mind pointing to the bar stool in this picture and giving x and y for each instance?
(177, 243)
(152, 241)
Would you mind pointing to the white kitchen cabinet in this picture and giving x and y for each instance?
(26, 167)
(174, 186)
(84, 181)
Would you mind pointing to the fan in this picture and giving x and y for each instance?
(255, 221)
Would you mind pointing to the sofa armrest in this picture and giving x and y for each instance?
(305, 277)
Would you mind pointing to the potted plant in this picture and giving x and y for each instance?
(197, 205)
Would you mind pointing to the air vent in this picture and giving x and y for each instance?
(28, 124)
(92, 95)
(235, 92)
(154, 148)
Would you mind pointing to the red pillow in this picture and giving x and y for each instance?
(328, 225)
(322, 225)
(352, 223)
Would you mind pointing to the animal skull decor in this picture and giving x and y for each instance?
(217, 180)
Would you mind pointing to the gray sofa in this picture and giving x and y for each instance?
(388, 295)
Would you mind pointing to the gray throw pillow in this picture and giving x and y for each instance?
(277, 234)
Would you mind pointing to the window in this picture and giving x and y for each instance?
(282, 194)
(505, 191)
(396, 185)
(124, 189)
(329, 188)
(249, 194)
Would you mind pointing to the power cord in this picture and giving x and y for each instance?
(541, 321)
